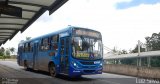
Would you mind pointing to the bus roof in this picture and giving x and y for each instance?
(69, 28)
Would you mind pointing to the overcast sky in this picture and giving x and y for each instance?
(121, 22)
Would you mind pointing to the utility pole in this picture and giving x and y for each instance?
(139, 59)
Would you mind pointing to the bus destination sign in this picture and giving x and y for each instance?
(89, 33)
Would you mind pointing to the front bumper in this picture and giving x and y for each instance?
(76, 72)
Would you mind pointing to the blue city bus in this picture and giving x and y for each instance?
(73, 51)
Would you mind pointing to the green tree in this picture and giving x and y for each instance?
(124, 52)
(28, 38)
(12, 49)
(8, 52)
(153, 42)
(135, 50)
(2, 51)
(119, 52)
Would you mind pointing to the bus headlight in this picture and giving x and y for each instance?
(101, 64)
(75, 64)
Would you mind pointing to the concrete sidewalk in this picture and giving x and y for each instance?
(15, 60)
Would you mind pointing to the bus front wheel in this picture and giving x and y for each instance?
(52, 70)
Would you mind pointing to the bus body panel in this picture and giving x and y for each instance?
(43, 59)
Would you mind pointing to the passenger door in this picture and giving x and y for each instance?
(35, 55)
(64, 55)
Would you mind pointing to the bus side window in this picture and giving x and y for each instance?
(26, 47)
(67, 46)
(49, 44)
(41, 45)
(44, 44)
(23, 47)
(55, 39)
(54, 42)
(31, 47)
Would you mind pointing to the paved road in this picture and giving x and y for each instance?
(13, 74)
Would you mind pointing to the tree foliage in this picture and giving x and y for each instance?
(153, 42)
(135, 50)
(5, 53)
(124, 52)
(28, 38)
(2, 51)
(119, 52)
(12, 49)
(8, 52)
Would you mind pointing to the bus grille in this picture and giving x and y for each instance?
(87, 63)
(89, 71)
(91, 67)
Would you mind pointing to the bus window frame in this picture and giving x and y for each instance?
(26, 47)
(31, 46)
(44, 44)
(54, 42)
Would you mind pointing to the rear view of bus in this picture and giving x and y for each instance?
(87, 52)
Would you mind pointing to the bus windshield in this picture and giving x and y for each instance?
(86, 48)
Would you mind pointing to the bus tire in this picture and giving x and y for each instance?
(79, 76)
(52, 70)
(25, 65)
